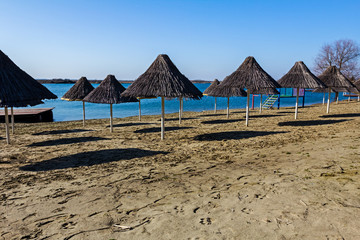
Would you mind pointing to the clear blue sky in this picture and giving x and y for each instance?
(205, 39)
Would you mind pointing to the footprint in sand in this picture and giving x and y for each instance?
(205, 221)
(68, 225)
(178, 209)
(246, 210)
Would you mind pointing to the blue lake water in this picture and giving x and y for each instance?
(66, 111)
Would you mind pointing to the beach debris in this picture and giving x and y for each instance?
(123, 228)
(195, 209)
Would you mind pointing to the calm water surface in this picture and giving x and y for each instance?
(66, 111)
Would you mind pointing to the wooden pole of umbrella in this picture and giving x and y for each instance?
(111, 118)
(227, 109)
(324, 98)
(180, 109)
(83, 113)
(247, 109)
(215, 106)
(260, 103)
(328, 101)
(7, 125)
(162, 118)
(297, 103)
(139, 109)
(12, 120)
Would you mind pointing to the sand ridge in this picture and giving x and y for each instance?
(211, 178)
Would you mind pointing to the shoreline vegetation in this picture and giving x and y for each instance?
(95, 81)
(210, 178)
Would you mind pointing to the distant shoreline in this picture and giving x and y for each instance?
(60, 80)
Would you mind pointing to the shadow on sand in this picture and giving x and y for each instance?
(310, 122)
(234, 135)
(90, 159)
(221, 121)
(158, 129)
(177, 119)
(61, 131)
(129, 124)
(63, 141)
(212, 115)
(263, 116)
(286, 112)
(341, 115)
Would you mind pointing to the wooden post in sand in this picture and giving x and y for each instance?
(227, 109)
(111, 118)
(260, 103)
(324, 98)
(297, 103)
(139, 109)
(328, 101)
(182, 106)
(247, 108)
(215, 106)
(162, 118)
(7, 125)
(83, 113)
(12, 120)
(180, 109)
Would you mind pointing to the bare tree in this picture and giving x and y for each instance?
(343, 54)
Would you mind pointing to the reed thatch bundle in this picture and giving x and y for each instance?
(109, 92)
(212, 86)
(228, 91)
(299, 76)
(250, 76)
(334, 79)
(17, 88)
(357, 84)
(79, 91)
(162, 79)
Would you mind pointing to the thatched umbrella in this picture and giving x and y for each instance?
(162, 79)
(18, 89)
(227, 92)
(78, 92)
(334, 79)
(250, 76)
(109, 92)
(299, 76)
(208, 91)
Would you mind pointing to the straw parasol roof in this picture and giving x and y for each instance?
(109, 92)
(19, 89)
(299, 76)
(162, 79)
(334, 79)
(228, 91)
(79, 91)
(250, 76)
(212, 86)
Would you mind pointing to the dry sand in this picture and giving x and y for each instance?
(212, 178)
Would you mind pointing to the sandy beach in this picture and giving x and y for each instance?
(211, 178)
